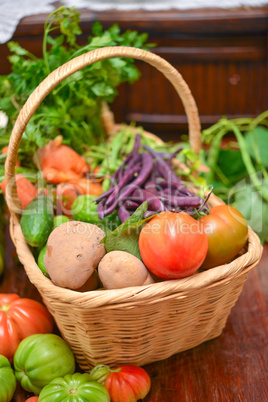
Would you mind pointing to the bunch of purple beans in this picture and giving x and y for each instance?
(147, 176)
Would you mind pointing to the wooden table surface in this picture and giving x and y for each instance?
(231, 368)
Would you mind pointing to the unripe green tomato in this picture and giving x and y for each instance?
(40, 261)
(59, 220)
(74, 388)
(40, 358)
(7, 380)
(84, 209)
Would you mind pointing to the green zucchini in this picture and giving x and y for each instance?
(37, 221)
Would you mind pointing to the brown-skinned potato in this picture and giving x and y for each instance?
(73, 253)
(91, 284)
(119, 269)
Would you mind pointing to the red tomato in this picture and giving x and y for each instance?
(172, 246)
(20, 318)
(25, 189)
(128, 384)
(227, 233)
(32, 399)
(66, 194)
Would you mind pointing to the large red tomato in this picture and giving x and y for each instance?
(227, 233)
(20, 318)
(172, 246)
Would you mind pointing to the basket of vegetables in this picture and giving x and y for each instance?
(170, 268)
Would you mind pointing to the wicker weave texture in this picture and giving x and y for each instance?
(142, 324)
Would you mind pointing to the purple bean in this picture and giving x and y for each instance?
(132, 205)
(128, 160)
(128, 176)
(150, 186)
(183, 201)
(164, 155)
(166, 171)
(137, 144)
(132, 162)
(147, 165)
(123, 213)
(100, 209)
(173, 154)
(173, 187)
(169, 156)
(120, 173)
(177, 192)
(104, 195)
(154, 203)
(162, 166)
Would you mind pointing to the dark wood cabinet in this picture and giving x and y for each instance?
(222, 55)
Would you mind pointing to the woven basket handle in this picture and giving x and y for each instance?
(77, 64)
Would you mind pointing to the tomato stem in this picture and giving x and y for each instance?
(4, 308)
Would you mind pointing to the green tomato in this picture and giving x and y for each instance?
(84, 209)
(74, 388)
(7, 380)
(40, 358)
(59, 219)
(40, 261)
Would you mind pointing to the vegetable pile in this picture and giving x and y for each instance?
(44, 365)
(238, 160)
(147, 177)
(146, 227)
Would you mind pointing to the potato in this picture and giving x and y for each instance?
(91, 284)
(73, 252)
(119, 269)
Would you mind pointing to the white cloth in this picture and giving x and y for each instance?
(154, 5)
(12, 11)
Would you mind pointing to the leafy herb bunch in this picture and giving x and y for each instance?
(73, 109)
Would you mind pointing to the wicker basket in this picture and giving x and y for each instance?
(143, 324)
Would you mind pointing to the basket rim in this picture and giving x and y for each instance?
(137, 294)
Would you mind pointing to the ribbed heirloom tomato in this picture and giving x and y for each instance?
(172, 246)
(125, 384)
(20, 318)
(7, 380)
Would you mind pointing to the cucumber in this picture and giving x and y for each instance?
(37, 221)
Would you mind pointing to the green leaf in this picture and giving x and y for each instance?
(257, 141)
(14, 47)
(249, 202)
(231, 164)
(126, 236)
(73, 108)
(97, 28)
